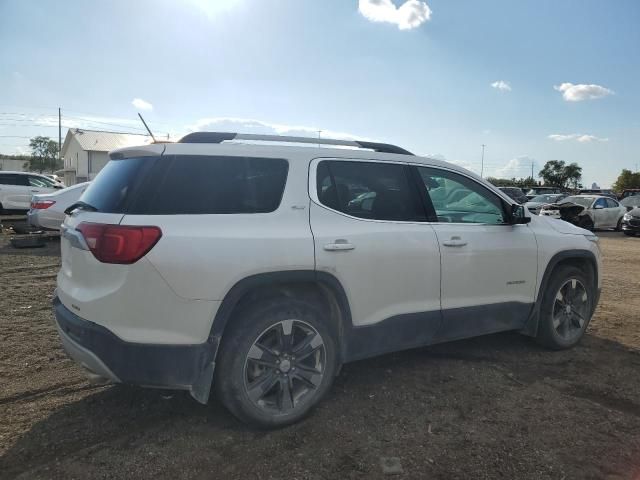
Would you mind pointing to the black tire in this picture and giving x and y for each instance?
(551, 335)
(586, 222)
(628, 233)
(236, 361)
(619, 225)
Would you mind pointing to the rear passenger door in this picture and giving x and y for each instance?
(601, 213)
(614, 212)
(370, 233)
(489, 267)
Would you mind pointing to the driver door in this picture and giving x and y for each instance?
(489, 267)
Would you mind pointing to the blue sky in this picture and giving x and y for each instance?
(533, 80)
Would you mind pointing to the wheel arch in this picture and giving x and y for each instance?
(583, 259)
(311, 284)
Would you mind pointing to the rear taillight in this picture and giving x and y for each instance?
(41, 204)
(119, 243)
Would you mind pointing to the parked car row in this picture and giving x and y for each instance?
(587, 211)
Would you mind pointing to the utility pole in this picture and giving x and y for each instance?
(532, 171)
(482, 162)
(59, 134)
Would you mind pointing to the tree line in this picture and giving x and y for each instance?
(557, 173)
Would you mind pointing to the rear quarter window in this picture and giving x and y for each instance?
(199, 184)
(117, 183)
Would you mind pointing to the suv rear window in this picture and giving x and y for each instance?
(112, 189)
(189, 184)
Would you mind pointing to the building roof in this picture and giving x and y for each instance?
(98, 141)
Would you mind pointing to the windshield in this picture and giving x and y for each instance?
(582, 201)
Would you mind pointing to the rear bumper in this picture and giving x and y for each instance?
(38, 220)
(182, 367)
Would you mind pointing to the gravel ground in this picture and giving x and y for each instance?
(491, 407)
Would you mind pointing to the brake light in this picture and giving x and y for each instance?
(41, 204)
(119, 243)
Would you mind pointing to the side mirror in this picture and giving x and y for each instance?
(518, 215)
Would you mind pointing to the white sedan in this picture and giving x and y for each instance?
(47, 210)
(587, 211)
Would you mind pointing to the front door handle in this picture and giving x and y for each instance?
(454, 242)
(338, 245)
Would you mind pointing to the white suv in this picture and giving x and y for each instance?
(17, 188)
(259, 269)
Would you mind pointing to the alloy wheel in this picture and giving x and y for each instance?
(570, 309)
(284, 366)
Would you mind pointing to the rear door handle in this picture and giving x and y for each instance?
(454, 242)
(339, 245)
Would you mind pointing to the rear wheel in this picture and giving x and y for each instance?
(629, 234)
(566, 308)
(277, 360)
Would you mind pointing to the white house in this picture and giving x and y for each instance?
(85, 152)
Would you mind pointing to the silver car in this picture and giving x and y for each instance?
(47, 210)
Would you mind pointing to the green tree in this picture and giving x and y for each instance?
(627, 179)
(559, 174)
(44, 155)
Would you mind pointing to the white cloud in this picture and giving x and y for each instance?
(250, 125)
(518, 167)
(141, 104)
(579, 137)
(501, 85)
(411, 14)
(580, 92)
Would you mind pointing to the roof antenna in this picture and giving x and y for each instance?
(147, 127)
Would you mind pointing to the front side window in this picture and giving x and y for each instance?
(372, 190)
(40, 182)
(600, 203)
(458, 199)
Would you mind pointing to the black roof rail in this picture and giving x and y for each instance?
(219, 137)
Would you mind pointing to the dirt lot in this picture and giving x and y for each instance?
(492, 407)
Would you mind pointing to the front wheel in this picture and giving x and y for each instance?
(567, 305)
(277, 360)
(628, 233)
(619, 225)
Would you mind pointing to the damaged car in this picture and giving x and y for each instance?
(587, 211)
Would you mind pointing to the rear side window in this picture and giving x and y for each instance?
(13, 179)
(198, 184)
(377, 191)
(114, 187)
(611, 203)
